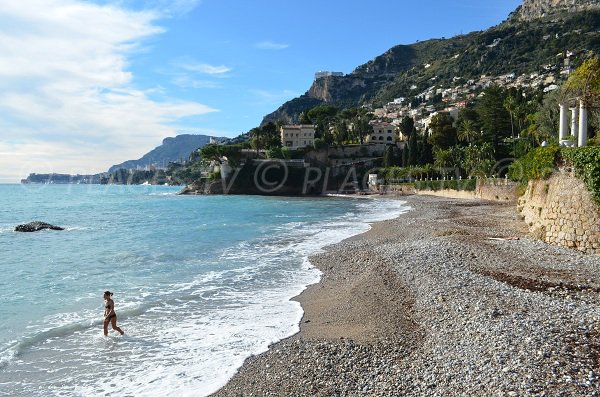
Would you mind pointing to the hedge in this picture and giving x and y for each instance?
(586, 161)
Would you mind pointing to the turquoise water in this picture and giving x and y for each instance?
(200, 283)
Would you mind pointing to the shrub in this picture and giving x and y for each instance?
(586, 161)
(540, 163)
(320, 143)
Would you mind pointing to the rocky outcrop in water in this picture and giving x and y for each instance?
(36, 226)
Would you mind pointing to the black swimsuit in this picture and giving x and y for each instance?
(112, 315)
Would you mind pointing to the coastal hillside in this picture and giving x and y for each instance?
(171, 150)
(533, 9)
(532, 38)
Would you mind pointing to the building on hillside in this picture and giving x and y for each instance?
(297, 136)
(382, 133)
(321, 74)
(424, 123)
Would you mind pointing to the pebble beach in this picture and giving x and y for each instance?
(452, 298)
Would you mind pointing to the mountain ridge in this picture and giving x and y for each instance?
(521, 44)
(172, 149)
(534, 9)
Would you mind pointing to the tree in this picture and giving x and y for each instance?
(495, 120)
(546, 119)
(210, 152)
(256, 134)
(388, 157)
(468, 131)
(340, 131)
(412, 148)
(510, 104)
(407, 127)
(322, 117)
(584, 83)
(478, 160)
(362, 128)
(405, 156)
(270, 136)
(425, 151)
(443, 133)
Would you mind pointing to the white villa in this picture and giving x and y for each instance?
(297, 136)
(382, 133)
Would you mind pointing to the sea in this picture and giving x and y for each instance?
(200, 283)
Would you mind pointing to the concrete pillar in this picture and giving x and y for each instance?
(574, 121)
(583, 120)
(562, 128)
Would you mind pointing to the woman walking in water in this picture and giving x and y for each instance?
(109, 314)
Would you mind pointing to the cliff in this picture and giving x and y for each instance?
(523, 44)
(534, 9)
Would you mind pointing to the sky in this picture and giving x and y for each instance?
(88, 84)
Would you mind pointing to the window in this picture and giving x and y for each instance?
(373, 138)
(389, 138)
(381, 138)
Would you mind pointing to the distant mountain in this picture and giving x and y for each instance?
(526, 42)
(172, 150)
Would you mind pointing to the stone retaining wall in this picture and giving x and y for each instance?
(561, 211)
(496, 189)
(486, 189)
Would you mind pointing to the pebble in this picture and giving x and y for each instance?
(479, 327)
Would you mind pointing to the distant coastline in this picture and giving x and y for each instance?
(54, 178)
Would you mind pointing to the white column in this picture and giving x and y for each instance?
(583, 119)
(574, 121)
(562, 128)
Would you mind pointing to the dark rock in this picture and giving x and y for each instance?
(36, 226)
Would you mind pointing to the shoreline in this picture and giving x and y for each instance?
(437, 302)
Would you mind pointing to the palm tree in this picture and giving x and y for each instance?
(510, 104)
(443, 158)
(467, 131)
(256, 134)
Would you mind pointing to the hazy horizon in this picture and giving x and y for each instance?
(86, 85)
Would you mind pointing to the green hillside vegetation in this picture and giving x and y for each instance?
(498, 126)
(497, 123)
(505, 124)
(508, 48)
(511, 47)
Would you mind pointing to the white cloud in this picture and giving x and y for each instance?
(187, 81)
(270, 45)
(174, 7)
(203, 68)
(67, 100)
(273, 97)
(188, 73)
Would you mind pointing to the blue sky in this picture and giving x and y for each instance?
(84, 84)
